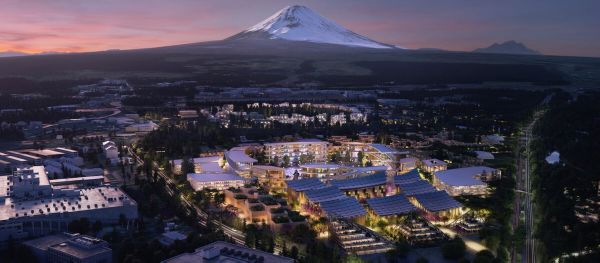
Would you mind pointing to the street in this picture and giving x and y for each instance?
(236, 235)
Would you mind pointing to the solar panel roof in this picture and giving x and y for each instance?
(391, 205)
(302, 185)
(362, 181)
(324, 194)
(347, 207)
(437, 201)
(416, 187)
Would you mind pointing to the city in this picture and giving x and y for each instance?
(233, 164)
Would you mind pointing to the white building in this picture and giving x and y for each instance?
(142, 127)
(219, 181)
(111, 152)
(240, 161)
(465, 181)
(30, 206)
(315, 148)
(433, 165)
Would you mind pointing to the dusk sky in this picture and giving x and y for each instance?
(555, 27)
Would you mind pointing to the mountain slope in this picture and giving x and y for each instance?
(300, 23)
(508, 47)
(5, 54)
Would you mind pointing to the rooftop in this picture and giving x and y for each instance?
(224, 252)
(71, 201)
(391, 205)
(240, 157)
(409, 177)
(213, 177)
(416, 187)
(362, 181)
(324, 194)
(305, 184)
(347, 207)
(303, 141)
(463, 176)
(383, 148)
(433, 162)
(321, 165)
(437, 201)
(82, 247)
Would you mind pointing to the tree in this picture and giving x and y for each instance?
(361, 158)
(484, 256)
(454, 249)
(286, 161)
(294, 252)
(187, 166)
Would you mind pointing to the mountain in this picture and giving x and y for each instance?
(508, 47)
(9, 53)
(300, 23)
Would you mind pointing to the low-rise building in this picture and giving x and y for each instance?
(313, 149)
(433, 165)
(270, 177)
(68, 248)
(221, 251)
(30, 206)
(465, 181)
(219, 181)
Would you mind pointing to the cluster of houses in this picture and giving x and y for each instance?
(391, 186)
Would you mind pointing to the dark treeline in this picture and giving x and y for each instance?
(570, 187)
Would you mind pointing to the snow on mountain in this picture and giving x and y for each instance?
(508, 47)
(300, 23)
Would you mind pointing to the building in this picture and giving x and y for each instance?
(188, 114)
(219, 181)
(69, 248)
(322, 170)
(433, 165)
(314, 150)
(438, 204)
(364, 187)
(210, 164)
(168, 238)
(270, 177)
(144, 127)
(407, 164)
(111, 152)
(221, 251)
(296, 190)
(240, 161)
(30, 206)
(390, 206)
(465, 181)
(377, 154)
(85, 181)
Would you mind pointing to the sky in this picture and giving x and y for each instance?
(554, 27)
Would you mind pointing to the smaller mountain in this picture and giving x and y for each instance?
(5, 54)
(508, 47)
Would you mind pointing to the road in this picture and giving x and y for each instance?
(529, 222)
(238, 236)
(525, 205)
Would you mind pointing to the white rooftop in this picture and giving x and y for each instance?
(240, 157)
(72, 201)
(213, 177)
(463, 176)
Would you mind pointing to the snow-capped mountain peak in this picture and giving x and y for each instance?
(300, 23)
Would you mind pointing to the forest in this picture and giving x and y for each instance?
(566, 193)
